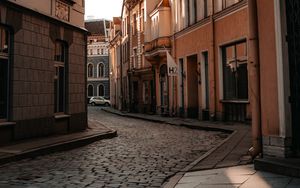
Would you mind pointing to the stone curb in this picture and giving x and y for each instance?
(56, 147)
(173, 180)
(200, 127)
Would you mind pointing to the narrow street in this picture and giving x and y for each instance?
(144, 154)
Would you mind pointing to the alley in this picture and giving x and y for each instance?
(143, 155)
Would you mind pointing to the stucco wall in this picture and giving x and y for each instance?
(268, 69)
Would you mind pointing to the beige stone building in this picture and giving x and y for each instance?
(115, 63)
(136, 72)
(42, 64)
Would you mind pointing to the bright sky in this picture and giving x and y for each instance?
(103, 8)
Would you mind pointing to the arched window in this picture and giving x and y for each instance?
(90, 90)
(101, 90)
(101, 70)
(90, 70)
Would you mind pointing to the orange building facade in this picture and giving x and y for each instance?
(278, 30)
(210, 47)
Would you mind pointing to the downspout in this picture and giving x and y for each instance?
(212, 59)
(86, 76)
(254, 78)
(121, 68)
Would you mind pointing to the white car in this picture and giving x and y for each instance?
(99, 101)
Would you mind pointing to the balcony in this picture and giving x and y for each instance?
(157, 48)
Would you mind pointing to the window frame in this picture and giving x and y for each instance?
(60, 64)
(235, 60)
(6, 56)
(101, 65)
(92, 71)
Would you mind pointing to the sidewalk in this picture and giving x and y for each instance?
(233, 151)
(241, 176)
(40, 146)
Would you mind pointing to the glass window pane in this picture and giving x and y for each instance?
(59, 52)
(3, 88)
(61, 88)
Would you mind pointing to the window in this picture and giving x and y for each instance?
(90, 70)
(235, 73)
(101, 90)
(202, 8)
(100, 70)
(4, 85)
(98, 51)
(146, 92)
(102, 51)
(192, 11)
(142, 20)
(134, 29)
(222, 4)
(91, 52)
(60, 77)
(90, 91)
(135, 58)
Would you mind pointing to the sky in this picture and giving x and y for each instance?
(103, 8)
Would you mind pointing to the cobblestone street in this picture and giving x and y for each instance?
(144, 154)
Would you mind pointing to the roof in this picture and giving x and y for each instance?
(164, 3)
(117, 20)
(96, 27)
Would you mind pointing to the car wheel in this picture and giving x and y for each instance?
(93, 104)
(106, 104)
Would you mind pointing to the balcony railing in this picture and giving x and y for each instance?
(159, 43)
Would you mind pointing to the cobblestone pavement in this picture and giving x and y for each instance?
(143, 155)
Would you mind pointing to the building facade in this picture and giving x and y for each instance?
(115, 64)
(211, 42)
(42, 64)
(208, 40)
(278, 30)
(137, 74)
(98, 58)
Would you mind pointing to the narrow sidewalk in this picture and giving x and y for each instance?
(45, 145)
(241, 176)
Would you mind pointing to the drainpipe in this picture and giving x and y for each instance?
(254, 78)
(212, 60)
(121, 68)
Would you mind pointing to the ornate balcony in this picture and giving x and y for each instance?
(157, 48)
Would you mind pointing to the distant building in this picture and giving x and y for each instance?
(98, 58)
(42, 63)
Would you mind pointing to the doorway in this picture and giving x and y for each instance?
(164, 91)
(293, 29)
(135, 96)
(192, 87)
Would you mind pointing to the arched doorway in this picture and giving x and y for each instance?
(164, 91)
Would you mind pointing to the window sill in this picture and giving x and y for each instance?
(237, 101)
(61, 116)
(7, 124)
